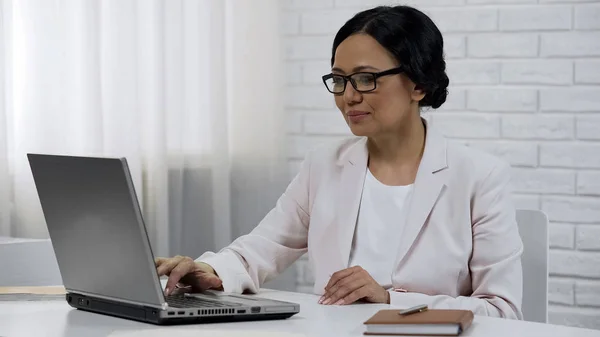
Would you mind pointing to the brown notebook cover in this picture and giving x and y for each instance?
(429, 322)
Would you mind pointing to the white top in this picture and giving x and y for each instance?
(58, 319)
(379, 227)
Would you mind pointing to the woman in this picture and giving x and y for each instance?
(396, 215)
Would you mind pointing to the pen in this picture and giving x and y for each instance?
(413, 310)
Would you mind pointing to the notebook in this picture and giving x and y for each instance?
(429, 322)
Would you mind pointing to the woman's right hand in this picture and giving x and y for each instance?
(198, 276)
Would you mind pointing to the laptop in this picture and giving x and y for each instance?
(104, 254)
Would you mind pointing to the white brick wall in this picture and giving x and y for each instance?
(525, 86)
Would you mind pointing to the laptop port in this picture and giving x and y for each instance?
(242, 311)
(171, 313)
(181, 313)
(255, 310)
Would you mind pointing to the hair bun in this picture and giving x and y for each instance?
(437, 95)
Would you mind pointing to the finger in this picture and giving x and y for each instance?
(335, 279)
(339, 275)
(353, 283)
(342, 282)
(167, 265)
(354, 296)
(177, 273)
(159, 260)
(203, 281)
(358, 272)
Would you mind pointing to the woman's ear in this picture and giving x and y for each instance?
(417, 93)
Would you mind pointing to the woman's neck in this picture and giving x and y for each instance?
(404, 147)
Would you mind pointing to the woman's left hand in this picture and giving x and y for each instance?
(352, 284)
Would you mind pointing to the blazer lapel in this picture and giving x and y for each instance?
(428, 185)
(354, 166)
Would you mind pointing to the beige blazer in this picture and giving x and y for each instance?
(460, 247)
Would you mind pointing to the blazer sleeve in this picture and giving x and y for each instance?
(495, 264)
(278, 240)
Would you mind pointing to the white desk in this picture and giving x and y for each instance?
(52, 319)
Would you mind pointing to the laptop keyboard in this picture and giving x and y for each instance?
(193, 302)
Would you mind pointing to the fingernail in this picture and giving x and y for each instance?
(340, 302)
(167, 291)
(321, 300)
(327, 301)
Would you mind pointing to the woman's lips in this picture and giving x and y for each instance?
(357, 116)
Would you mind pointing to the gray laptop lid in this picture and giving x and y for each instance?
(96, 227)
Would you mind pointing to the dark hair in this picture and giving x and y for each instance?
(413, 39)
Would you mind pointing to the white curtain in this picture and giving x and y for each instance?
(187, 90)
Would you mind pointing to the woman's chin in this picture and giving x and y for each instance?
(360, 130)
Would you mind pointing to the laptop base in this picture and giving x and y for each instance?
(152, 315)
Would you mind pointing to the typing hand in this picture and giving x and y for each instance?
(183, 270)
(352, 284)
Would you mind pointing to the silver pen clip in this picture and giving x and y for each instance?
(414, 310)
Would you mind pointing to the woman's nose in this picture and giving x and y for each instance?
(351, 95)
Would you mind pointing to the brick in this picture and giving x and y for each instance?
(574, 263)
(472, 19)
(570, 44)
(326, 122)
(307, 4)
(587, 16)
(576, 155)
(290, 23)
(535, 18)
(325, 22)
(570, 99)
(293, 73)
(358, 4)
(494, 2)
(588, 183)
(467, 125)
(501, 100)
(455, 46)
(309, 97)
(502, 45)
(473, 72)
(527, 180)
(294, 121)
(308, 47)
(456, 100)
(587, 127)
(298, 146)
(414, 3)
(432, 3)
(538, 127)
(588, 237)
(313, 72)
(587, 71)
(562, 236)
(561, 291)
(575, 317)
(526, 201)
(565, 1)
(294, 167)
(537, 72)
(523, 154)
(571, 209)
(587, 293)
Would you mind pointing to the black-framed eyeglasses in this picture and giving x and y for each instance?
(361, 81)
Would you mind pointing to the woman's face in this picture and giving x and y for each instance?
(390, 105)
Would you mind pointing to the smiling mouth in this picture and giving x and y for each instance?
(356, 113)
